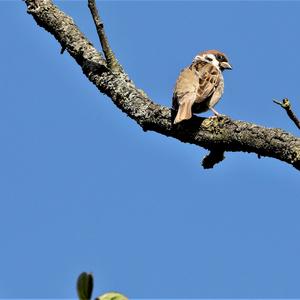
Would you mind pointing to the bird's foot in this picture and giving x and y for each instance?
(218, 116)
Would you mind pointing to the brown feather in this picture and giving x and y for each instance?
(195, 88)
(185, 94)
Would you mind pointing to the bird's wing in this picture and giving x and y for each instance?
(186, 87)
(209, 80)
(185, 93)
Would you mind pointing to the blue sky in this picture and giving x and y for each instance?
(83, 188)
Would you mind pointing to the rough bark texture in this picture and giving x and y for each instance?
(216, 135)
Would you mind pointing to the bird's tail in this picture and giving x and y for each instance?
(184, 111)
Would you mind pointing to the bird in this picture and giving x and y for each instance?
(200, 86)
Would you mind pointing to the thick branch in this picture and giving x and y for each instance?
(212, 158)
(286, 105)
(225, 134)
(112, 62)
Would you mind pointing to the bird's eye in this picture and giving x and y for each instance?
(220, 57)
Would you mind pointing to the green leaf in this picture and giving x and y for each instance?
(112, 296)
(85, 286)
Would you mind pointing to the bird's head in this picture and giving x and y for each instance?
(214, 57)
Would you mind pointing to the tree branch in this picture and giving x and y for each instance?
(212, 158)
(112, 62)
(286, 105)
(225, 134)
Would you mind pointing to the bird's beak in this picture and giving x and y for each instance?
(225, 65)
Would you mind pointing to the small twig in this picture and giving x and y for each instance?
(63, 48)
(212, 158)
(286, 105)
(112, 62)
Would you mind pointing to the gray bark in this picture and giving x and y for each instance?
(216, 135)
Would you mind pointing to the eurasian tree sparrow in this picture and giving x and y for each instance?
(200, 86)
